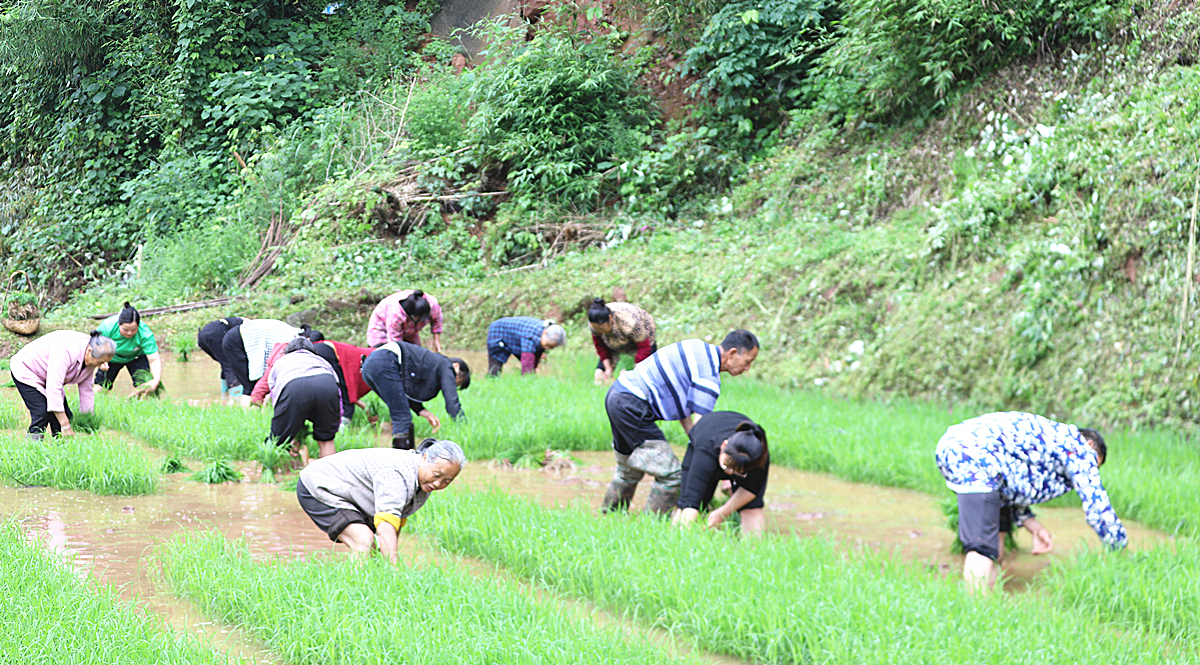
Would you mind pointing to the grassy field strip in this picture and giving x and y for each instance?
(203, 433)
(1157, 589)
(780, 600)
(50, 616)
(98, 463)
(334, 612)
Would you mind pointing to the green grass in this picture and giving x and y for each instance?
(12, 413)
(342, 612)
(207, 433)
(97, 463)
(776, 600)
(216, 473)
(51, 616)
(1157, 590)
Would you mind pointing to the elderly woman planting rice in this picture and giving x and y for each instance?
(303, 388)
(619, 327)
(725, 445)
(999, 464)
(524, 337)
(45, 366)
(674, 383)
(359, 496)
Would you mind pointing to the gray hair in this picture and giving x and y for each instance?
(101, 346)
(298, 344)
(435, 450)
(555, 333)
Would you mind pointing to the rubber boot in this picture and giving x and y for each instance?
(656, 458)
(402, 441)
(621, 489)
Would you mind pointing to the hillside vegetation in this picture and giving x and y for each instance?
(997, 204)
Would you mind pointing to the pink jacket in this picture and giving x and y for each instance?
(53, 361)
(389, 322)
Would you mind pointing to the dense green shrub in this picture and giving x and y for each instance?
(754, 56)
(904, 56)
(555, 112)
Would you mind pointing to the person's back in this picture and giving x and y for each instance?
(677, 380)
(370, 480)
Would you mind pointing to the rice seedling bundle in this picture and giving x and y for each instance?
(342, 612)
(51, 616)
(98, 463)
(217, 472)
(774, 600)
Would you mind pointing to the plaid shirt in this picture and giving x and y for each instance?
(517, 336)
(1029, 459)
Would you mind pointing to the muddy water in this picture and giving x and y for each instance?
(911, 524)
(113, 538)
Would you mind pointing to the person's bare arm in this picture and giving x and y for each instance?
(740, 498)
(1043, 542)
(685, 516)
(437, 342)
(686, 424)
(387, 534)
(64, 423)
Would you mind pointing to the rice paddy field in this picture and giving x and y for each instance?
(174, 526)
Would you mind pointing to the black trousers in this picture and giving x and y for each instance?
(210, 339)
(235, 356)
(107, 377)
(381, 370)
(308, 398)
(39, 417)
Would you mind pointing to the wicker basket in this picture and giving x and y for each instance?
(26, 327)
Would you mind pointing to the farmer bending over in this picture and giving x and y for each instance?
(359, 495)
(137, 352)
(44, 367)
(999, 464)
(400, 317)
(672, 384)
(406, 375)
(619, 327)
(522, 336)
(303, 387)
(725, 445)
(210, 338)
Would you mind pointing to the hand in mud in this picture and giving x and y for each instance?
(1043, 542)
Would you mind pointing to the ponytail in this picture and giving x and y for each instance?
(747, 446)
(599, 312)
(129, 315)
(416, 305)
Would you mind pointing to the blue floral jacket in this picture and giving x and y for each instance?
(1029, 459)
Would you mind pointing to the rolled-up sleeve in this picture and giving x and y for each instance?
(1097, 508)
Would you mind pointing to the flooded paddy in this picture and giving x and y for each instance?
(112, 538)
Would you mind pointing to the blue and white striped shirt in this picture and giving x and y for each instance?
(677, 380)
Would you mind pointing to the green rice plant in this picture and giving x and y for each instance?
(205, 433)
(52, 616)
(1155, 590)
(98, 463)
(271, 458)
(217, 472)
(775, 599)
(171, 465)
(342, 612)
(13, 414)
(144, 376)
(184, 344)
(88, 423)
